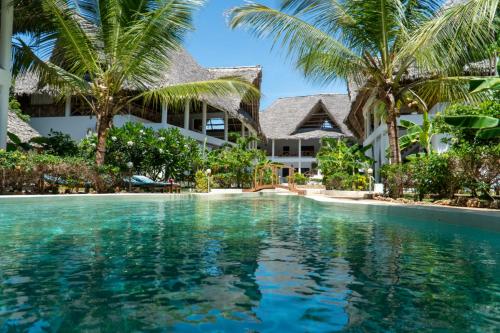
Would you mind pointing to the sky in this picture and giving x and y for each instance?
(214, 44)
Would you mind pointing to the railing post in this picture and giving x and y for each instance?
(186, 115)
(164, 113)
(226, 126)
(204, 119)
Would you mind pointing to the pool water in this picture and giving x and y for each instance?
(256, 263)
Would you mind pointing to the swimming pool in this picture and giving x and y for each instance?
(257, 263)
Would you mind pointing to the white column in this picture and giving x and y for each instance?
(226, 126)
(67, 107)
(272, 148)
(164, 113)
(7, 12)
(300, 155)
(186, 115)
(204, 118)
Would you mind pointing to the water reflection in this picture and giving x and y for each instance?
(260, 264)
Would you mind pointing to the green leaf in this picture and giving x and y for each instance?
(14, 138)
(483, 85)
(489, 133)
(478, 122)
(407, 123)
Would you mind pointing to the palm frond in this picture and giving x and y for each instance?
(153, 35)
(201, 90)
(447, 90)
(289, 32)
(56, 78)
(456, 37)
(74, 35)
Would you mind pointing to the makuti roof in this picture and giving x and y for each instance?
(20, 128)
(183, 68)
(283, 119)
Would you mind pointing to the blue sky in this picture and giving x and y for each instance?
(214, 44)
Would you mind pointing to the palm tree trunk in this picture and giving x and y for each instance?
(104, 122)
(392, 132)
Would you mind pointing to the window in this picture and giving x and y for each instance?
(307, 150)
(319, 119)
(286, 150)
(215, 124)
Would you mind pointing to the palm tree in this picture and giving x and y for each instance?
(380, 44)
(99, 50)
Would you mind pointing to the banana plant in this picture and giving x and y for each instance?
(415, 133)
(491, 84)
(487, 127)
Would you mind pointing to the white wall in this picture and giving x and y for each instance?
(380, 141)
(79, 126)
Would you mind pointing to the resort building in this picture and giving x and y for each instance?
(368, 127)
(294, 126)
(210, 120)
(6, 21)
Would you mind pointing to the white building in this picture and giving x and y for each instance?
(210, 120)
(369, 129)
(294, 127)
(6, 21)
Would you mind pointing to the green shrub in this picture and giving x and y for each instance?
(161, 154)
(201, 182)
(432, 174)
(28, 172)
(396, 176)
(340, 162)
(345, 181)
(58, 143)
(234, 165)
(300, 178)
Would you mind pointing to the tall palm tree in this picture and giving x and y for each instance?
(379, 44)
(100, 49)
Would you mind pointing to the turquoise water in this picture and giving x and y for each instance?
(243, 264)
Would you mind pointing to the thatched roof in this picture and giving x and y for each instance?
(283, 119)
(182, 69)
(20, 128)
(252, 74)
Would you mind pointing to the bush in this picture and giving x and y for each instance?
(432, 174)
(201, 182)
(235, 164)
(39, 173)
(395, 177)
(300, 178)
(345, 181)
(58, 143)
(161, 154)
(340, 162)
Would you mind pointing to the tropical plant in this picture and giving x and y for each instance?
(57, 143)
(161, 154)
(114, 47)
(340, 162)
(201, 182)
(473, 123)
(402, 53)
(415, 133)
(235, 164)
